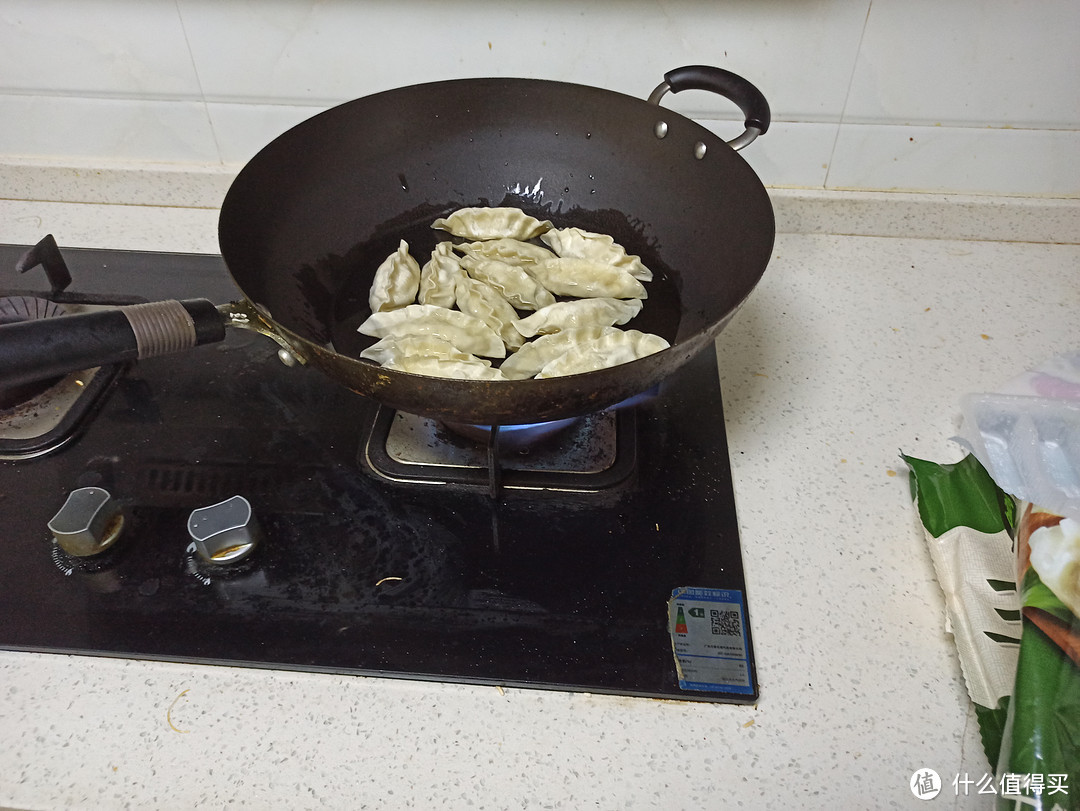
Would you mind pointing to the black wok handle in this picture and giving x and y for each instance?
(727, 84)
(50, 347)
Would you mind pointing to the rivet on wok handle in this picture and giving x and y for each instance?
(727, 84)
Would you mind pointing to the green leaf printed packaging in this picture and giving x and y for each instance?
(1010, 574)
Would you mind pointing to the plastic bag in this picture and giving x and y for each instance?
(1011, 579)
(1027, 434)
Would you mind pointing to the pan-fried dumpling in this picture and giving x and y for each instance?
(602, 312)
(538, 353)
(468, 333)
(394, 348)
(517, 286)
(584, 278)
(608, 350)
(438, 278)
(396, 281)
(511, 251)
(492, 223)
(574, 243)
(486, 303)
(437, 367)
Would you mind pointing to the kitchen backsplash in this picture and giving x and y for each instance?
(971, 96)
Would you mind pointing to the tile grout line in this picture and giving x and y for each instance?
(198, 82)
(847, 93)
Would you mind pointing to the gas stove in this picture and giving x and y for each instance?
(217, 507)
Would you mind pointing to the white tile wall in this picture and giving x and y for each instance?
(328, 52)
(982, 63)
(791, 153)
(243, 129)
(973, 96)
(89, 127)
(102, 48)
(976, 160)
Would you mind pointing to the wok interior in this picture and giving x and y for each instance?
(351, 274)
(310, 218)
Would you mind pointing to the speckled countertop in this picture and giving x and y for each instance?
(852, 348)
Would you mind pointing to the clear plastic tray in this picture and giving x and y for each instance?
(1027, 434)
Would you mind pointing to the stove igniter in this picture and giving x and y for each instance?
(89, 522)
(226, 532)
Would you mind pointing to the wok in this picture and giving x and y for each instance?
(310, 217)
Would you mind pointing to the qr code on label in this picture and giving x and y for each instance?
(726, 623)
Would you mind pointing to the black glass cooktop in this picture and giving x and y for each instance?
(633, 587)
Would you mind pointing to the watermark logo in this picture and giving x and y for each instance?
(925, 784)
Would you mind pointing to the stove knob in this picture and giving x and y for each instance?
(226, 532)
(89, 522)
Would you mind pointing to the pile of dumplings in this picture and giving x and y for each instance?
(463, 308)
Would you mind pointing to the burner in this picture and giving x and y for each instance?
(41, 416)
(582, 455)
(14, 310)
(512, 437)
